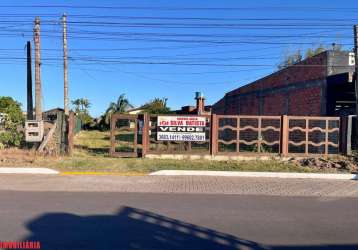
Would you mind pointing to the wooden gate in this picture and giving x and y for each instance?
(124, 135)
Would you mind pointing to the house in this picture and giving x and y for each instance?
(199, 109)
(51, 114)
(321, 85)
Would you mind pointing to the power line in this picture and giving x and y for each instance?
(280, 8)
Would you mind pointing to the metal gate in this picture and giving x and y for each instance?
(124, 135)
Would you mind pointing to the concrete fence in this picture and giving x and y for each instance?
(231, 135)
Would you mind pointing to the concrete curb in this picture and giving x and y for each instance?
(4, 170)
(104, 173)
(257, 174)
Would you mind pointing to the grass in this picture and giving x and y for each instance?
(91, 155)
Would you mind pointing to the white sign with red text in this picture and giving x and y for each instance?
(181, 128)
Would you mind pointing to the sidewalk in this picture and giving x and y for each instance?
(181, 184)
(26, 170)
(328, 176)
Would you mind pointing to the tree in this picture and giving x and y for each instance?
(121, 106)
(310, 52)
(11, 123)
(291, 59)
(157, 106)
(81, 108)
(296, 57)
(81, 104)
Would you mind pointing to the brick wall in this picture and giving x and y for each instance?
(287, 91)
(305, 102)
(275, 104)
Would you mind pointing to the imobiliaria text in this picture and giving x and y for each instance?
(20, 245)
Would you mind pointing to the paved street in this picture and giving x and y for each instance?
(113, 216)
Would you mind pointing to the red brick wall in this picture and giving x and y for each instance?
(249, 105)
(275, 104)
(289, 75)
(301, 101)
(305, 102)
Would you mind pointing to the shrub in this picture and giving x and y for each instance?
(11, 134)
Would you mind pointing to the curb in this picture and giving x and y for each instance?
(104, 173)
(27, 171)
(257, 174)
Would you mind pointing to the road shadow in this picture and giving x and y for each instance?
(130, 228)
(136, 229)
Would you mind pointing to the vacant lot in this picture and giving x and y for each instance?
(91, 154)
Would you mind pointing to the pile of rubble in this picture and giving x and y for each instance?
(341, 165)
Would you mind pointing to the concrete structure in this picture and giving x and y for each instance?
(317, 86)
(199, 109)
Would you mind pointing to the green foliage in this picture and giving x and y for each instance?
(296, 57)
(121, 106)
(13, 121)
(12, 108)
(291, 59)
(81, 106)
(157, 106)
(310, 52)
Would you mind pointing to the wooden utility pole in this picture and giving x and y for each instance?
(356, 78)
(30, 107)
(65, 65)
(38, 92)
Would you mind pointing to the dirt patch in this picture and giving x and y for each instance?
(340, 165)
(13, 156)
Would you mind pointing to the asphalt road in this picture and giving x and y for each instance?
(117, 220)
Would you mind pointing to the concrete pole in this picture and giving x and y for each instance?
(356, 78)
(38, 91)
(65, 65)
(30, 107)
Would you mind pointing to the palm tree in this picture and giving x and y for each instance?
(121, 106)
(157, 106)
(81, 104)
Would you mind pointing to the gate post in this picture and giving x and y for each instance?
(145, 134)
(284, 136)
(214, 135)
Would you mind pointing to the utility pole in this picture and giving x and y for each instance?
(65, 65)
(38, 95)
(356, 78)
(30, 107)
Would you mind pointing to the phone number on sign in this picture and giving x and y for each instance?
(181, 137)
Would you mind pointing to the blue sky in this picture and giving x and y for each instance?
(171, 49)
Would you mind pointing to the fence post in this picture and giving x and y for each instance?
(349, 134)
(112, 150)
(71, 123)
(214, 135)
(145, 134)
(284, 135)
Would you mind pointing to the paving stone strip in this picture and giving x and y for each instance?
(182, 184)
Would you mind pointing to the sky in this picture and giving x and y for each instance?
(165, 49)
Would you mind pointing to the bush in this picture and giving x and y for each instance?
(11, 124)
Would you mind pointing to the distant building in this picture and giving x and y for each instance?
(321, 85)
(199, 109)
(51, 114)
(135, 111)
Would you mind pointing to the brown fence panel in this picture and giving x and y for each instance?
(240, 135)
(248, 134)
(124, 133)
(177, 147)
(313, 135)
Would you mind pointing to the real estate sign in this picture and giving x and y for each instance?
(181, 128)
